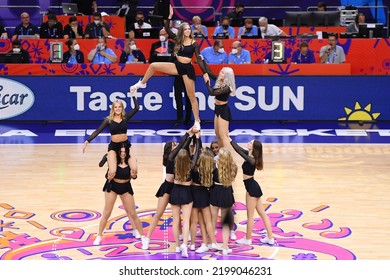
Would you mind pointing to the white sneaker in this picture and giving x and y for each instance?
(270, 241)
(197, 125)
(226, 251)
(183, 250)
(136, 86)
(145, 243)
(97, 240)
(198, 233)
(202, 249)
(177, 249)
(192, 247)
(215, 246)
(136, 234)
(244, 241)
(233, 235)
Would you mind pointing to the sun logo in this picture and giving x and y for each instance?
(359, 113)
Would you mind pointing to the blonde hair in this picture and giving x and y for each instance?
(229, 80)
(112, 114)
(206, 167)
(180, 37)
(227, 168)
(182, 166)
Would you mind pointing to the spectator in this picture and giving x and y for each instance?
(269, 29)
(86, 7)
(101, 54)
(131, 54)
(248, 29)
(51, 28)
(303, 55)
(140, 21)
(98, 28)
(215, 54)
(321, 6)
(17, 48)
(25, 28)
(239, 55)
(3, 32)
(235, 16)
(73, 55)
(198, 30)
(225, 28)
(162, 50)
(332, 53)
(73, 30)
(353, 27)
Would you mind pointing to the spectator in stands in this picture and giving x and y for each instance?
(140, 21)
(25, 28)
(73, 30)
(17, 48)
(225, 28)
(248, 30)
(303, 55)
(101, 54)
(98, 28)
(239, 55)
(131, 54)
(3, 32)
(198, 30)
(332, 53)
(321, 6)
(73, 55)
(51, 28)
(86, 7)
(353, 27)
(235, 16)
(162, 50)
(269, 29)
(215, 54)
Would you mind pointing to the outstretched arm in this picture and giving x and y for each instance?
(184, 142)
(166, 25)
(198, 146)
(242, 152)
(95, 133)
(130, 114)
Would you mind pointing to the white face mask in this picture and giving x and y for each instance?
(262, 28)
(133, 47)
(101, 46)
(234, 51)
(16, 50)
(76, 47)
(221, 50)
(162, 38)
(96, 22)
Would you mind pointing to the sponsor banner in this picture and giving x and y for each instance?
(343, 98)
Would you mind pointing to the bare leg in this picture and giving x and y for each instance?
(176, 223)
(250, 205)
(162, 203)
(190, 88)
(223, 132)
(206, 212)
(193, 224)
(225, 227)
(214, 216)
(109, 201)
(133, 164)
(267, 223)
(112, 164)
(203, 228)
(129, 205)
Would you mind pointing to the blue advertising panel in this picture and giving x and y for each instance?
(256, 98)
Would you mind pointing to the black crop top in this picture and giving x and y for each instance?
(249, 165)
(123, 173)
(186, 51)
(222, 93)
(115, 127)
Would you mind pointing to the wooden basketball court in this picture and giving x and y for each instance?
(325, 201)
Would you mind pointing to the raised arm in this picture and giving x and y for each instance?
(242, 152)
(95, 133)
(198, 146)
(166, 25)
(184, 142)
(130, 114)
(202, 64)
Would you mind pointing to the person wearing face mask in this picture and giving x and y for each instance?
(332, 53)
(98, 28)
(236, 15)
(199, 30)
(248, 30)
(225, 29)
(101, 54)
(17, 48)
(131, 54)
(215, 54)
(140, 21)
(73, 55)
(267, 29)
(73, 30)
(239, 55)
(162, 50)
(51, 28)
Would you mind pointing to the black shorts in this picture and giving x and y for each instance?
(253, 188)
(116, 146)
(180, 195)
(221, 196)
(201, 196)
(224, 112)
(185, 69)
(118, 188)
(166, 187)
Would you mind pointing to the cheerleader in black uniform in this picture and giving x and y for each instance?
(181, 197)
(171, 149)
(120, 185)
(221, 194)
(117, 124)
(253, 160)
